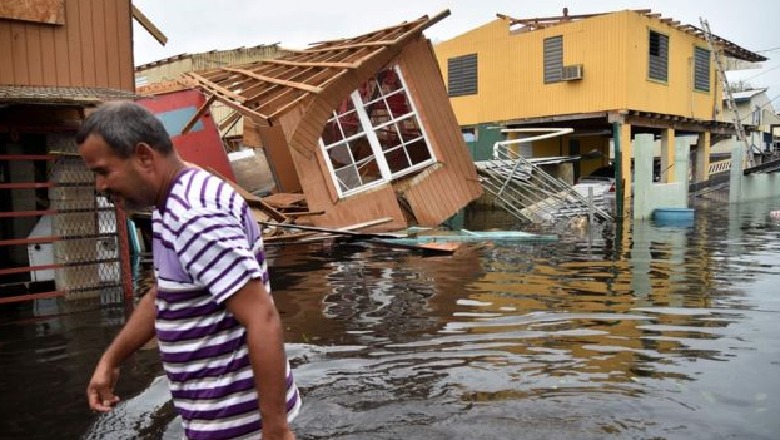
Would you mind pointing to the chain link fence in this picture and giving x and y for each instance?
(87, 251)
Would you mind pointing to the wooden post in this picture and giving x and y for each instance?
(667, 155)
(125, 271)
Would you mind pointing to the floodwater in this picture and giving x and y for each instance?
(654, 333)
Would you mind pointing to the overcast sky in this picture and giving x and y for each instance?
(199, 25)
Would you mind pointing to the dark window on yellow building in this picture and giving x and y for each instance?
(701, 69)
(553, 59)
(462, 75)
(659, 57)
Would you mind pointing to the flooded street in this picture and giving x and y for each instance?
(655, 333)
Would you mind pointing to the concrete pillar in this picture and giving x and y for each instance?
(626, 153)
(682, 168)
(736, 178)
(667, 155)
(703, 147)
(643, 175)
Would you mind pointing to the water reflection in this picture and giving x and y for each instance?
(653, 332)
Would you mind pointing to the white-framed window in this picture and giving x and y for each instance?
(375, 136)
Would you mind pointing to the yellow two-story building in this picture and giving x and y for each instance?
(608, 76)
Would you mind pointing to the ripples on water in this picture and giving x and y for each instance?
(656, 333)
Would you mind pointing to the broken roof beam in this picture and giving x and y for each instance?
(297, 85)
(314, 64)
(558, 18)
(540, 21)
(147, 24)
(379, 43)
(228, 98)
(205, 82)
(198, 114)
(229, 121)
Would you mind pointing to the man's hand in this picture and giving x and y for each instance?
(138, 331)
(100, 390)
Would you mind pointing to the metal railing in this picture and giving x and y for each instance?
(528, 192)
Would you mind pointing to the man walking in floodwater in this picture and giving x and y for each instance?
(219, 333)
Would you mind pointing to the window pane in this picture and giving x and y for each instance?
(702, 69)
(369, 171)
(658, 56)
(361, 149)
(331, 133)
(389, 81)
(397, 160)
(348, 178)
(418, 152)
(350, 124)
(398, 104)
(462, 75)
(378, 112)
(553, 59)
(369, 91)
(409, 129)
(339, 156)
(388, 137)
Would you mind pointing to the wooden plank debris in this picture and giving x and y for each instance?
(147, 24)
(284, 200)
(38, 11)
(251, 199)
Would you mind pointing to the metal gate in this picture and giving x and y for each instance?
(60, 238)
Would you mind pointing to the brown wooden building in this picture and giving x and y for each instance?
(58, 58)
(362, 126)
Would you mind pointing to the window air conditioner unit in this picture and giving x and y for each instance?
(571, 72)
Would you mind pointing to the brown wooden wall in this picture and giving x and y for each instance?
(312, 171)
(92, 49)
(279, 157)
(438, 195)
(448, 189)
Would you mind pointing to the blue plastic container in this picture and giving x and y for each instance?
(681, 217)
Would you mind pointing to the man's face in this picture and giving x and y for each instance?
(123, 179)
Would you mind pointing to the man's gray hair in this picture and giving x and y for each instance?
(123, 125)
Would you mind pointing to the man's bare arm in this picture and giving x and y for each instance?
(138, 330)
(254, 309)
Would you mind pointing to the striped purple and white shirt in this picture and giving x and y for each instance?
(206, 247)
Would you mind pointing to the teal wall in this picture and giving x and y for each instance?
(649, 195)
(487, 136)
(753, 187)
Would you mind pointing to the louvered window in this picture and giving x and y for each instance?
(553, 59)
(462, 75)
(659, 57)
(701, 71)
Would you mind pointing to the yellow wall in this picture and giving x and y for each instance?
(677, 96)
(613, 50)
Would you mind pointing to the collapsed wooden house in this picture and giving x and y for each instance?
(361, 126)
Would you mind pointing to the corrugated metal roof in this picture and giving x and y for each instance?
(61, 95)
(730, 49)
(746, 95)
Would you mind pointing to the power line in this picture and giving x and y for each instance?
(761, 73)
(769, 50)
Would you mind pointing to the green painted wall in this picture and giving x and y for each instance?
(487, 136)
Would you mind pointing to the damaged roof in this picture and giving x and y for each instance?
(61, 95)
(730, 49)
(267, 89)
